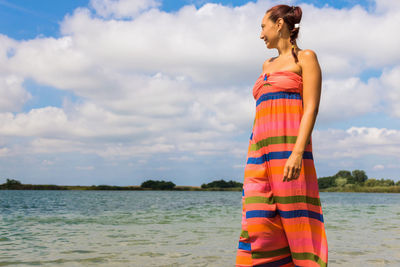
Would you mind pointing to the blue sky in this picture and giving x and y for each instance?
(42, 17)
(79, 81)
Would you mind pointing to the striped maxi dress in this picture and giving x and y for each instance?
(282, 222)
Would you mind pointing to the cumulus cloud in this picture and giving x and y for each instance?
(348, 38)
(338, 98)
(121, 8)
(390, 90)
(357, 142)
(149, 81)
(12, 94)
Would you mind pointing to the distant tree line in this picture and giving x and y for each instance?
(222, 184)
(12, 184)
(344, 178)
(158, 185)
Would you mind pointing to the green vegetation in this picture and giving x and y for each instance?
(158, 185)
(342, 181)
(357, 181)
(12, 184)
(220, 185)
(17, 185)
(223, 185)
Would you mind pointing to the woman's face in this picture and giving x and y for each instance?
(269, 32)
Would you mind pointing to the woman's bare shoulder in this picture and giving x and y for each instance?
(307, 55)
(307, 58)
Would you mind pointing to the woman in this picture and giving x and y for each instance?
(282, 220)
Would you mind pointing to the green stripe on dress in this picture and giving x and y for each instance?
(309, 256)
(283, 200)
(271, 253)
(298, 199)
(273, 140)
(258, 199)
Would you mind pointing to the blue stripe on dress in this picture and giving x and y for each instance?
(301, 213)
(276, 155)
(278, 95)
(283, 214)
(260, 214)
(244, 246)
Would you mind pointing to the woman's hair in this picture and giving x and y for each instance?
(291, 15)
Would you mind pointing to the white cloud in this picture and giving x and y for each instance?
(387, 6)
(121, 8)
(12, 94)
(37, 122)
(345, 98)
(390, 90)
(106, 60)
(152, 82)
(209, 44)
(348, 38)
(356, 142)
(378, 167)
(57, 63)
(159, 116)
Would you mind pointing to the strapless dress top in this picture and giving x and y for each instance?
(278, 81)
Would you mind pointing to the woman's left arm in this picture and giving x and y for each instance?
(312, 80)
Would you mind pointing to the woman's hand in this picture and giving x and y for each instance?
(292, 167)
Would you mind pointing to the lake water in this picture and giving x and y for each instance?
(176, 228)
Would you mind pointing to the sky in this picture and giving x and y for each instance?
(118, 92)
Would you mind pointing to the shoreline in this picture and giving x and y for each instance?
(353, 189)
